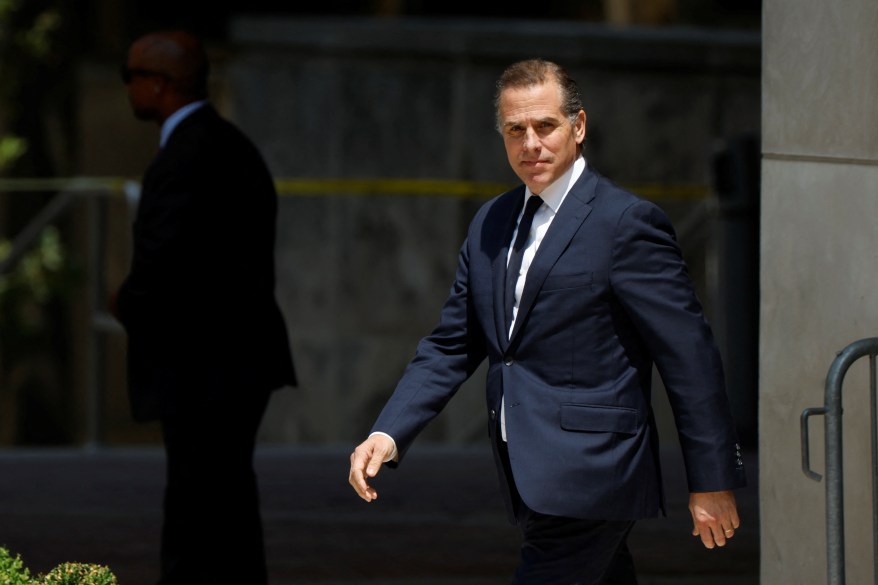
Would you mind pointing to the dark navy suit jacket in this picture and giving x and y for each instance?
(606, 297)
(199, 302)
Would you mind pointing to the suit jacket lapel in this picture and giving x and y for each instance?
(571, 214)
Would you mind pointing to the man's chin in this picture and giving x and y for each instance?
(536, 184)
(144, 115)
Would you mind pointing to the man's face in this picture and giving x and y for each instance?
(143, 83)
(541, 143)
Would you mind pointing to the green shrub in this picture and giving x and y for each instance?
(13, 572)
(78, 574)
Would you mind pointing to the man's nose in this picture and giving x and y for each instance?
(530, 139)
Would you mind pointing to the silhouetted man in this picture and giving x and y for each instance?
(206, 340)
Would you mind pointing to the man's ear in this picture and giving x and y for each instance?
(580, 127)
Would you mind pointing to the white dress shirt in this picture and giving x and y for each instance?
(174, 119)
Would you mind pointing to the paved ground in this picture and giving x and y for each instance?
(439, 520)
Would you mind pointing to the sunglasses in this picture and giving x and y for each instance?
(129, 73)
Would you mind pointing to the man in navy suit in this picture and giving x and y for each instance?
(207, 343)
(571, 317)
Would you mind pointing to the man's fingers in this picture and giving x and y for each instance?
(375, 463)
(714, 517)
(711, 535)
(719, 537)
(706, 535)
(360, 459)
(366, 461)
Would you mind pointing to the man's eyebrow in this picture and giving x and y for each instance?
(517, 122)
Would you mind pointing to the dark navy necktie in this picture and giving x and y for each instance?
(514, 267)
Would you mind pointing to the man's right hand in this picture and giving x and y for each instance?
(366, 461)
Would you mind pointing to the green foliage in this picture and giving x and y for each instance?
(36, 82)
(41, 276)
(13, 572)
(30, 43)
(11, 149)
(79, 574)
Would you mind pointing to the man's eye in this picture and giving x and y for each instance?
(514, 131)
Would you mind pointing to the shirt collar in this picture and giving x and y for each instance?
(174, 120)
(554, 194)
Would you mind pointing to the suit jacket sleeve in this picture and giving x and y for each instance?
(164, 222)
(443, 361)
(651, 281)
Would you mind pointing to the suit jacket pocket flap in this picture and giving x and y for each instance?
(602, 419)
(565, 281)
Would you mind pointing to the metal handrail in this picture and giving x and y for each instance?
(832, 411)
(68, 191)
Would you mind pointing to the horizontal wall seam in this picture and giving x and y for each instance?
(819, 159)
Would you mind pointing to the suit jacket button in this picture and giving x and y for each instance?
(508, 361)
(493, 414)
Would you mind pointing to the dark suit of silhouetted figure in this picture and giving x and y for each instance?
(207, 343)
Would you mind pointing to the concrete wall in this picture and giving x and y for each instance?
(819, 275)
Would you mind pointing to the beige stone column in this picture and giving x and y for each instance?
(819, 272)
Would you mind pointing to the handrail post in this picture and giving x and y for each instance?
(100, 321)
(834, 472)
(95, 395)
(832, 409)
(874, 421)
